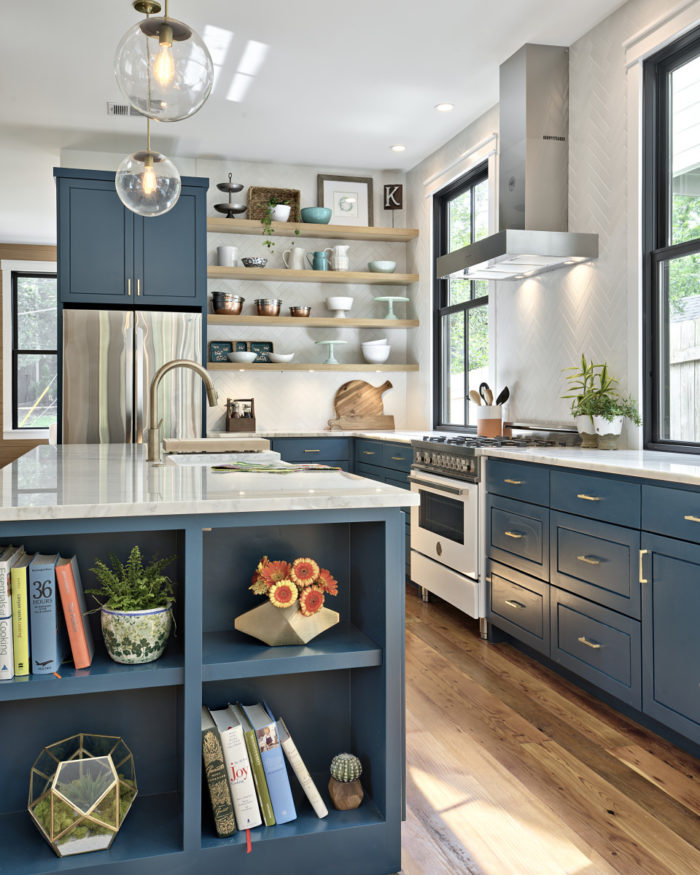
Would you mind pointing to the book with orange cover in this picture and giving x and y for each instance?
(73, 600)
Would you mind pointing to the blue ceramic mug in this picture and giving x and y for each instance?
(319, 261)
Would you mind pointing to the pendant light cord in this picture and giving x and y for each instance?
(148, 134)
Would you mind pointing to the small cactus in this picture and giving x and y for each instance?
(346, 767)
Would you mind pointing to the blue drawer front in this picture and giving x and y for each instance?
(517, 480)
(601, 498)
(313, 449)
(371, 471)
(674, 512)
(598, 644)
(518, 535)
(596, 560)
(519, 605)
(396, 478)
(397, 456)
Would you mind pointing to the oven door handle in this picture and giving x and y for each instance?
(437, 487)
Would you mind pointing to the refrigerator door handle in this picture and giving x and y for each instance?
(138, 383)
(128, 381)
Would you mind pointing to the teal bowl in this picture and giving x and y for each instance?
(316, 215)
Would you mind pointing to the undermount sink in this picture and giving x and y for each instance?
(207, 459)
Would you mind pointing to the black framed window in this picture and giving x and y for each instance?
(34, 351)
(672, 246)
(460, 313)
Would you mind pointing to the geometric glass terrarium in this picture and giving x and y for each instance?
(80, 791)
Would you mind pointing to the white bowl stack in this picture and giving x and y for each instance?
(376, 351)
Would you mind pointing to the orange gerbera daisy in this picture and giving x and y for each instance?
(304, 572)
(258, 584)
(327, 582)
(273, 572)
(283, 593)
(311, 601)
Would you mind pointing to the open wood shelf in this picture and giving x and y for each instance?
(311, 321)
(308, 229)
(304, 366)
(282, 275)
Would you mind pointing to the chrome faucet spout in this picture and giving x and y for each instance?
(154, 423)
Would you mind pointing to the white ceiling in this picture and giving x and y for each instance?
(339, 85)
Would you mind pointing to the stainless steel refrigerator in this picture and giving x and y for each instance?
(109, 359)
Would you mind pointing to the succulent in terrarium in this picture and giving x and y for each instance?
(346, 767)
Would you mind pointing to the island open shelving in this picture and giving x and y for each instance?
(307, 229)
(283, 275)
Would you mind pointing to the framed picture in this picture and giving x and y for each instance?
(263, 348)
(219, 350)
(349, 197)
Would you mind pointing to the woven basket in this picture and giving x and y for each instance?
(258, 198)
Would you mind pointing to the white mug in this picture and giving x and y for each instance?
(227, 255)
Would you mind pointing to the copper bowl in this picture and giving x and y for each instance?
(268, 306)
(224, 303)
(299, 311)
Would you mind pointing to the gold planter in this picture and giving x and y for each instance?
(278, 626)
(80, 791)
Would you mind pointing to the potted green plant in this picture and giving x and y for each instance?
(609, 411)
(275, 211)
(135, 607)
(585, 382)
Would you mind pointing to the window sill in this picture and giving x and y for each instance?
(26, 434)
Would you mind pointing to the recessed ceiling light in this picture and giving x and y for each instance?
(398, 148)
(444, 107)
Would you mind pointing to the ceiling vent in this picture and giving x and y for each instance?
(124, 109)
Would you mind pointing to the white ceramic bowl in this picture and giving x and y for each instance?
(382, 266)
(280, 357)
(242, 356)
(338, 302)
(381, 342)
(376, 354)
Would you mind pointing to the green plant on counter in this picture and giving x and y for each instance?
(610, 406)
(133, 586)
(266, 222)
(586, 383)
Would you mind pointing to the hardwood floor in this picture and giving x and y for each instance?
(512, 769)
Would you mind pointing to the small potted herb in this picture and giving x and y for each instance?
(275, 211)
(135, 607)
(609, 411)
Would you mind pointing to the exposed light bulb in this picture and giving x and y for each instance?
(149, 179)
(164, 67)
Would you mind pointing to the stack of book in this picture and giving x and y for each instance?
(36, 632)
(242, 748)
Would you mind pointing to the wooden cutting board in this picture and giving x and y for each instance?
(358, 404)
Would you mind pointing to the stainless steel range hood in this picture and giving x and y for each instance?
(533, 176)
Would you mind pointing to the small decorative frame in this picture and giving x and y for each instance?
(263, 348)
(349, 197)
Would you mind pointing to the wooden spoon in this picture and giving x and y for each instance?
(488, 395)
(475, 397)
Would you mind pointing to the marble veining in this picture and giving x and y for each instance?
(107, 480)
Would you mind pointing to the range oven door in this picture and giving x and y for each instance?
(445, 526)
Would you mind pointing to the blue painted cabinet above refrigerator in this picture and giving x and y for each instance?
(108, 255)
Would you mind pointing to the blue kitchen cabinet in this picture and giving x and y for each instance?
(108, 255)
(333, 451)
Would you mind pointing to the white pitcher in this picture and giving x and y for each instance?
(338, 257)
(293, 258)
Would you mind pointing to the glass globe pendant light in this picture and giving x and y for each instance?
(147, 182)
(162, 66)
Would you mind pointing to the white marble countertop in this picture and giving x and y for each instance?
(107, 480)
(404, 437)
(673, 467)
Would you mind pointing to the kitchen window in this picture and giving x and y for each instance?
(460, 315)
(672, 246)
(30, 384)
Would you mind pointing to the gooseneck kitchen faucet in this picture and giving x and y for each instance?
(154, 435)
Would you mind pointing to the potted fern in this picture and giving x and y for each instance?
(135, 607)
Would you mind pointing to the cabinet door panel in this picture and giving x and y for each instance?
(518, 535)
(526, 482)
(312, 449)
(598, 497)
(672, 512)
(95, 234)
(397, 456)
(671, 618)
(519, 604)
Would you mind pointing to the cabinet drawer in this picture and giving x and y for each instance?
(596, 560)
(517, 480)
(395, 478)
(397, 456)
(598, 644)
(601, 498)
(312, 449)
(371, 471)
(518, 535)
(519, 605)
(371, 452)
(674, 512)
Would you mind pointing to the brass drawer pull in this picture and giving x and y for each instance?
(593, 644)
(368, 453)
(588, 560)
(691, 518)
(128, 286)
(312, 451)
(516, 535)
(138, 286)
(642, 579)
(588, 497)
(401, 459)
(514, 604)
(513, 482)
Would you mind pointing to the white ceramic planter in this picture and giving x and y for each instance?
(280, 213)
(586, 429)
(134, 637)
(608, 431)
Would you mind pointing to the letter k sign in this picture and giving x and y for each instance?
(393, 197)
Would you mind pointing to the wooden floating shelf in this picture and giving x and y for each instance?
(311, 321)
(304, 366)
(282, 275)
(308, 229)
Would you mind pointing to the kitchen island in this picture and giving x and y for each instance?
(343, 691)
